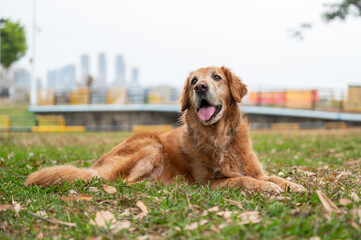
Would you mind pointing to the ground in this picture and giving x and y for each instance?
(324, 160)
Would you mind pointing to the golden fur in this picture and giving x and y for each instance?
(217, 151)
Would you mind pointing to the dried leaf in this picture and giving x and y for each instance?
(109, 189)
(327, 204)
(103, 218)
(345, 202)
(353, 224)
(17, 207)
(142, 206)
(249, 217)
(225, 214)
(77, 197)
(195, 225)
(93, 189)
(5, 206)
(354, 197)
(235, 203)
(213, 209)
(42, 214)
(116, 227)
(306, 173)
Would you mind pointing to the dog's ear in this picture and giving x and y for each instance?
(185, 102)
(236, 86)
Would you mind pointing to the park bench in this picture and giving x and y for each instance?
(285, 126)
(335, 125)
(4, 123)
(55, 123)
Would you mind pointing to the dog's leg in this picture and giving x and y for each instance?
(138, 157)
(284, 183)
(247, 183)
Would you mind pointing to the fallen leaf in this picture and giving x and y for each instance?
(353, 224)
(5, 206)
(327, 204)
(345, 202)
(109, 189)
(40, 235)
(42, 214)
(249, 217)
(77, 197)
(306, 173)
(213, 209)
(225, 214)
(103, 218)
(72, 192)
(195, 225)
(116, 227)
(235, 203)
(142, 206)
(354, 197)
(17, 207)
(93, 189)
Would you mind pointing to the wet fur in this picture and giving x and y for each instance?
(219, 154)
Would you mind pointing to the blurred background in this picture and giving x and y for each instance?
(109, 65)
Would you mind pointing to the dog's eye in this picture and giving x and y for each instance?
(216, 77)
(194, 81)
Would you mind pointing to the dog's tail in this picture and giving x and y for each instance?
(52, 175)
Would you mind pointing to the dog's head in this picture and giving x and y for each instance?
(210, 91)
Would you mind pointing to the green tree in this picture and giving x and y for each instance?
(342, 9)
(13, 47)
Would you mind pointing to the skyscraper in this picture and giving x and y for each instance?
(119, 71)
(100, 83)
(84, 70)
(135, 77)
(63, 79)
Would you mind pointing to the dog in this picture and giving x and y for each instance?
(211, 147)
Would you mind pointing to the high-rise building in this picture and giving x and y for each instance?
(22, 78)
(63, 79)
(135, 77)
(84, 70)
(66, 78)
(51, 79)
(119, 71)
(100, 83)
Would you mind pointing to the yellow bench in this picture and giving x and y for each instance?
(55, 123)
(335, 125)
(285, 126)
(58, 129)
(151, 128)
(4, 122)
(51, 120)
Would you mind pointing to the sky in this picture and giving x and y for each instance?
(166, 39)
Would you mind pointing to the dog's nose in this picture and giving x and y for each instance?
(201, 87)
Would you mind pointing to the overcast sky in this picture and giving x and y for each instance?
(168, 39)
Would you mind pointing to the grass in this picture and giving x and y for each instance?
(333, 158)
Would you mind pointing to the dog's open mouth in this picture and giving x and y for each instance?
(207, 111)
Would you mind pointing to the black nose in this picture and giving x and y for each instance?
(201, 87)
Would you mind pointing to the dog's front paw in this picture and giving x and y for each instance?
(272, 187)
(296, 187)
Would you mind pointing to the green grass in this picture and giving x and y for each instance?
(173, 207)
(19, 114)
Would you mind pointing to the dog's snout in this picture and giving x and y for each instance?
(201, 87)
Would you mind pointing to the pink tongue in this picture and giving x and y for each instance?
(205, 113)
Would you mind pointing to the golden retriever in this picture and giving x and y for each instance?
(211, 147)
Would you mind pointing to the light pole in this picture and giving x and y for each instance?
(2, 24)
(33, 86)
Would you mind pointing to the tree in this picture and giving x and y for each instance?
(342, 10)
(13, 47)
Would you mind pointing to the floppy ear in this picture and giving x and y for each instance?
(236, 86)
(185, 102)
